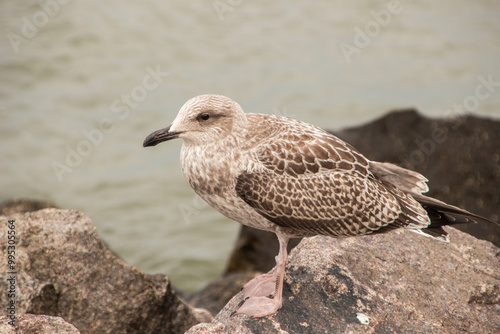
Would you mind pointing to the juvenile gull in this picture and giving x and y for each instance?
(294, 179)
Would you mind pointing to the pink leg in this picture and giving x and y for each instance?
(263, 294)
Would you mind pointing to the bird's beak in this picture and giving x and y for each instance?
(160, 136)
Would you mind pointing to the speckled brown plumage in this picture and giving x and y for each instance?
(296, 180)
(315, 183)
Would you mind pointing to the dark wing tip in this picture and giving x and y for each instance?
(442, 213)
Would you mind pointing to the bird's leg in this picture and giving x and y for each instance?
(263, 294)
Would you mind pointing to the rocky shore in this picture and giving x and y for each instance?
(63, 269)
(67, 281)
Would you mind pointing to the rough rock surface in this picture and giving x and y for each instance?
(399, 282)
(37, 324)
(64, 269)
(255, 251)
(217, 294)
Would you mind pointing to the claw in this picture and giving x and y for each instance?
(243, 301)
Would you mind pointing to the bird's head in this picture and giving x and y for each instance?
(202, 120)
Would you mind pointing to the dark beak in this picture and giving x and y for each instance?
(160, 136)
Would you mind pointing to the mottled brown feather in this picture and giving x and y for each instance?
(330, 186)
(340, 203)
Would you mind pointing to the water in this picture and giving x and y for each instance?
(90, 77)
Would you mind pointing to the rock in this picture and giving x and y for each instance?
(255, 251)
(459, 156)
(65, 270)
(399, 282)
(39, 324)
(19, 205)
(218, 293)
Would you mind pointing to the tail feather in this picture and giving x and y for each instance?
(401, 178)
(442, 213)
(409, 186)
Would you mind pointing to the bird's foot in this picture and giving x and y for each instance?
(258, 307)
(259, 300)
(264, 294)
(260, 286)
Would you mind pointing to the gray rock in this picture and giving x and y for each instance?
(217, 294)
(37, 324)
(460, 157)
(255, 251)
(64, 269)
(399, 282)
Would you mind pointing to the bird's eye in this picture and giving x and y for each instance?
(204, 117)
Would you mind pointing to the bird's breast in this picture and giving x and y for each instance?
(213, 176)
(209, 171)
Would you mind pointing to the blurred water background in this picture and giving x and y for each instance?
(83, 82)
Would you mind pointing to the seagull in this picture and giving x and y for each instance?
(294, 179)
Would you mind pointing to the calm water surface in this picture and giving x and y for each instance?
(83, 82)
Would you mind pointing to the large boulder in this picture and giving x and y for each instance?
(398, 282)
(64, 269)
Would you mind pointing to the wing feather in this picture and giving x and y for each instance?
(296, 148)
(336, 203)
(315, 183)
